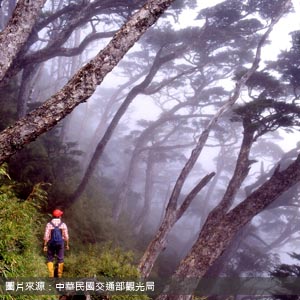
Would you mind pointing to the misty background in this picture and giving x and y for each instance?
(174, 79)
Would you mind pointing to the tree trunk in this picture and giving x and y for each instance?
(83, 83)
(157, 245)
(24, 91)
(171, 217)
(216, 236)
(143, 138)
(216, 214)
(115, 121)
(240, 172)
(141, 219)
(17, 31)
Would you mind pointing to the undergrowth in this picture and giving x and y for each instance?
(21, 254)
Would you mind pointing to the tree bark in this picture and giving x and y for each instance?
(240, 172)
(211, 244)
(78, 15)
(216, 214)
(83, 83)
(159, 242)
(17, 31)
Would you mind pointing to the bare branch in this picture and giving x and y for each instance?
(232, 99)
(158, 61)
(53, 51)
(193, 193)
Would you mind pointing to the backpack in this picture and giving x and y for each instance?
(56, 234)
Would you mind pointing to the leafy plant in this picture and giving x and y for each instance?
(104, 262)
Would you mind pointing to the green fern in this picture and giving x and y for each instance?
(3, 171)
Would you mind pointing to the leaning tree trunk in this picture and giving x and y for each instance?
(17, 31)
(141, 141)
(115, 121)
(217, 235)
(172, 215)
(25, 89)
(241, 171)
(83, 83)
(144, 267)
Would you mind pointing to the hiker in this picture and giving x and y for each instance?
(55, 238)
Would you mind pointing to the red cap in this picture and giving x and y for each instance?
(57, 213)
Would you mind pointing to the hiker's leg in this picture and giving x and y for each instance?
(60, 260)
(50, 253)
(50, 257)
(60, 253)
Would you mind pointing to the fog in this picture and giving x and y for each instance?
(175, 80)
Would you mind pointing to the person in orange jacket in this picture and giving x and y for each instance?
(56, 239)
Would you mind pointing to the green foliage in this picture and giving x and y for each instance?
(266, 115)
(19, 246)
(4, 171)
(101, 261)
(104, 263)
(286, 271)
(20, 225)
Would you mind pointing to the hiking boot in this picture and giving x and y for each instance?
(60, 270)
(50, 267)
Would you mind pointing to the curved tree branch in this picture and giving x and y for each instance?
(117, 117)
(83, 84)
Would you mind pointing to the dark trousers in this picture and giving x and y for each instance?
(55, 250)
